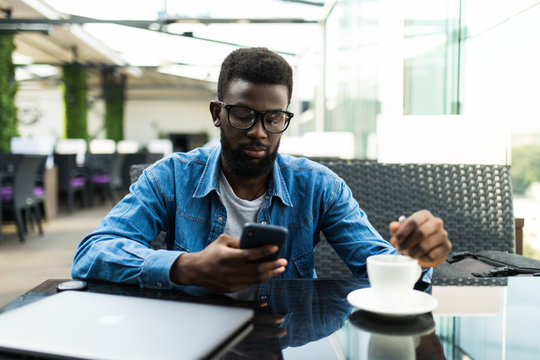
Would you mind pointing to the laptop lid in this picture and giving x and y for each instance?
(85, 325)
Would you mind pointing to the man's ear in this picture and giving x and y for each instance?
(215, 110)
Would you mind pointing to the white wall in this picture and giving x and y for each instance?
(48, 104)
(166, 111)
(145, 119)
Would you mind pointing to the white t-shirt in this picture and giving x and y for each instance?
(239, 211)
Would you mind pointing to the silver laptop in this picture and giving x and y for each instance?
(83, 325)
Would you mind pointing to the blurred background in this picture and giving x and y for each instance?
(441, 81)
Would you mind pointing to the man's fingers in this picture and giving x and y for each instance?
(411, 223)
(435, 257)
(422, 235)
(430, 242)
(259, 252)
(229, 241)
(250, 273)
(394, 225)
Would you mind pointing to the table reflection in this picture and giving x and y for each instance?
(385, 338)
(311, 319)
(295, 313)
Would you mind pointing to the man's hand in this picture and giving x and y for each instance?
(421, 236)
(224, 267)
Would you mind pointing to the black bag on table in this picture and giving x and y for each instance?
(486, 267)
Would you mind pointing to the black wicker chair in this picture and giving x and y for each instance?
(475, 202)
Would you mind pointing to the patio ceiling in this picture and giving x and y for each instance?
(164, 39)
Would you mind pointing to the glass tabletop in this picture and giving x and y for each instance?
(312, 319)
(470, 322)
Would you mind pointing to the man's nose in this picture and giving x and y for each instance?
(257, 130)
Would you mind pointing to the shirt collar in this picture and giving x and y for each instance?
(209, 180)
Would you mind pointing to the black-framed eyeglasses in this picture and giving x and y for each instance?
(243, 118)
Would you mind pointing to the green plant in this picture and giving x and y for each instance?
(114, 96)
(8, 89)
(75, 101)
(525, 167)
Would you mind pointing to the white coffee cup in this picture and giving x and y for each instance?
(392, 277)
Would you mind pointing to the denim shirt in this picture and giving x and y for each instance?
(180, 195)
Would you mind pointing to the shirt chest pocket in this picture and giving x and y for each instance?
(304, 264)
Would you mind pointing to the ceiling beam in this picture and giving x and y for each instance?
(79, 20)
(12, 24)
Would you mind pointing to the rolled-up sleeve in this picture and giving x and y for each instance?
(119, 248)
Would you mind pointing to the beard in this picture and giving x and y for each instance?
(243, 166)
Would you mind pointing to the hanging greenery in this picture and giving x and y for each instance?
(8, 89)
(75, 101)
(113, 85)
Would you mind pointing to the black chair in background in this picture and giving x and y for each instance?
(71, 179)
(99, 169)
(39, 187)
(18, 199)
(116, 173)
(135, 159)
(136, 171)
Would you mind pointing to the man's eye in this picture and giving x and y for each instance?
(274, 122)
(242, 114)
(274, 118)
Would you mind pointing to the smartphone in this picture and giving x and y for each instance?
(255, 235)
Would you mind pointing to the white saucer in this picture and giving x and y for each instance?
(417, 302)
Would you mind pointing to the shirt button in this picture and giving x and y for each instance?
(263, 222)
(158, 284)
(267, 197)
(264, 297)
(220, 219)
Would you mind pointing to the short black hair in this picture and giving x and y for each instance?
(258, 65)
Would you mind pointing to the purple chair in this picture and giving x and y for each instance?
(18, 199)
(99, 167)
(71, 179)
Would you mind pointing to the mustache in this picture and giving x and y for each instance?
(253, 144)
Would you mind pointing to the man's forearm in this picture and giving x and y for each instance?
(102, 257)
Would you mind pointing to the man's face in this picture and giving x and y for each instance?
(250, 153)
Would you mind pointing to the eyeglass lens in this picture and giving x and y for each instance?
(273, 121)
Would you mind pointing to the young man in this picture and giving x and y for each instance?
(202, 199)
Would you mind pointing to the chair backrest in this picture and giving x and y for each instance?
(136, 170)
(67, 170)
(134, 159)
(474, 201)
(99, 163)
(25, 179)
(9, 161)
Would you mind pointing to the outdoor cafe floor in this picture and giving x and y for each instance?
(25, 265)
